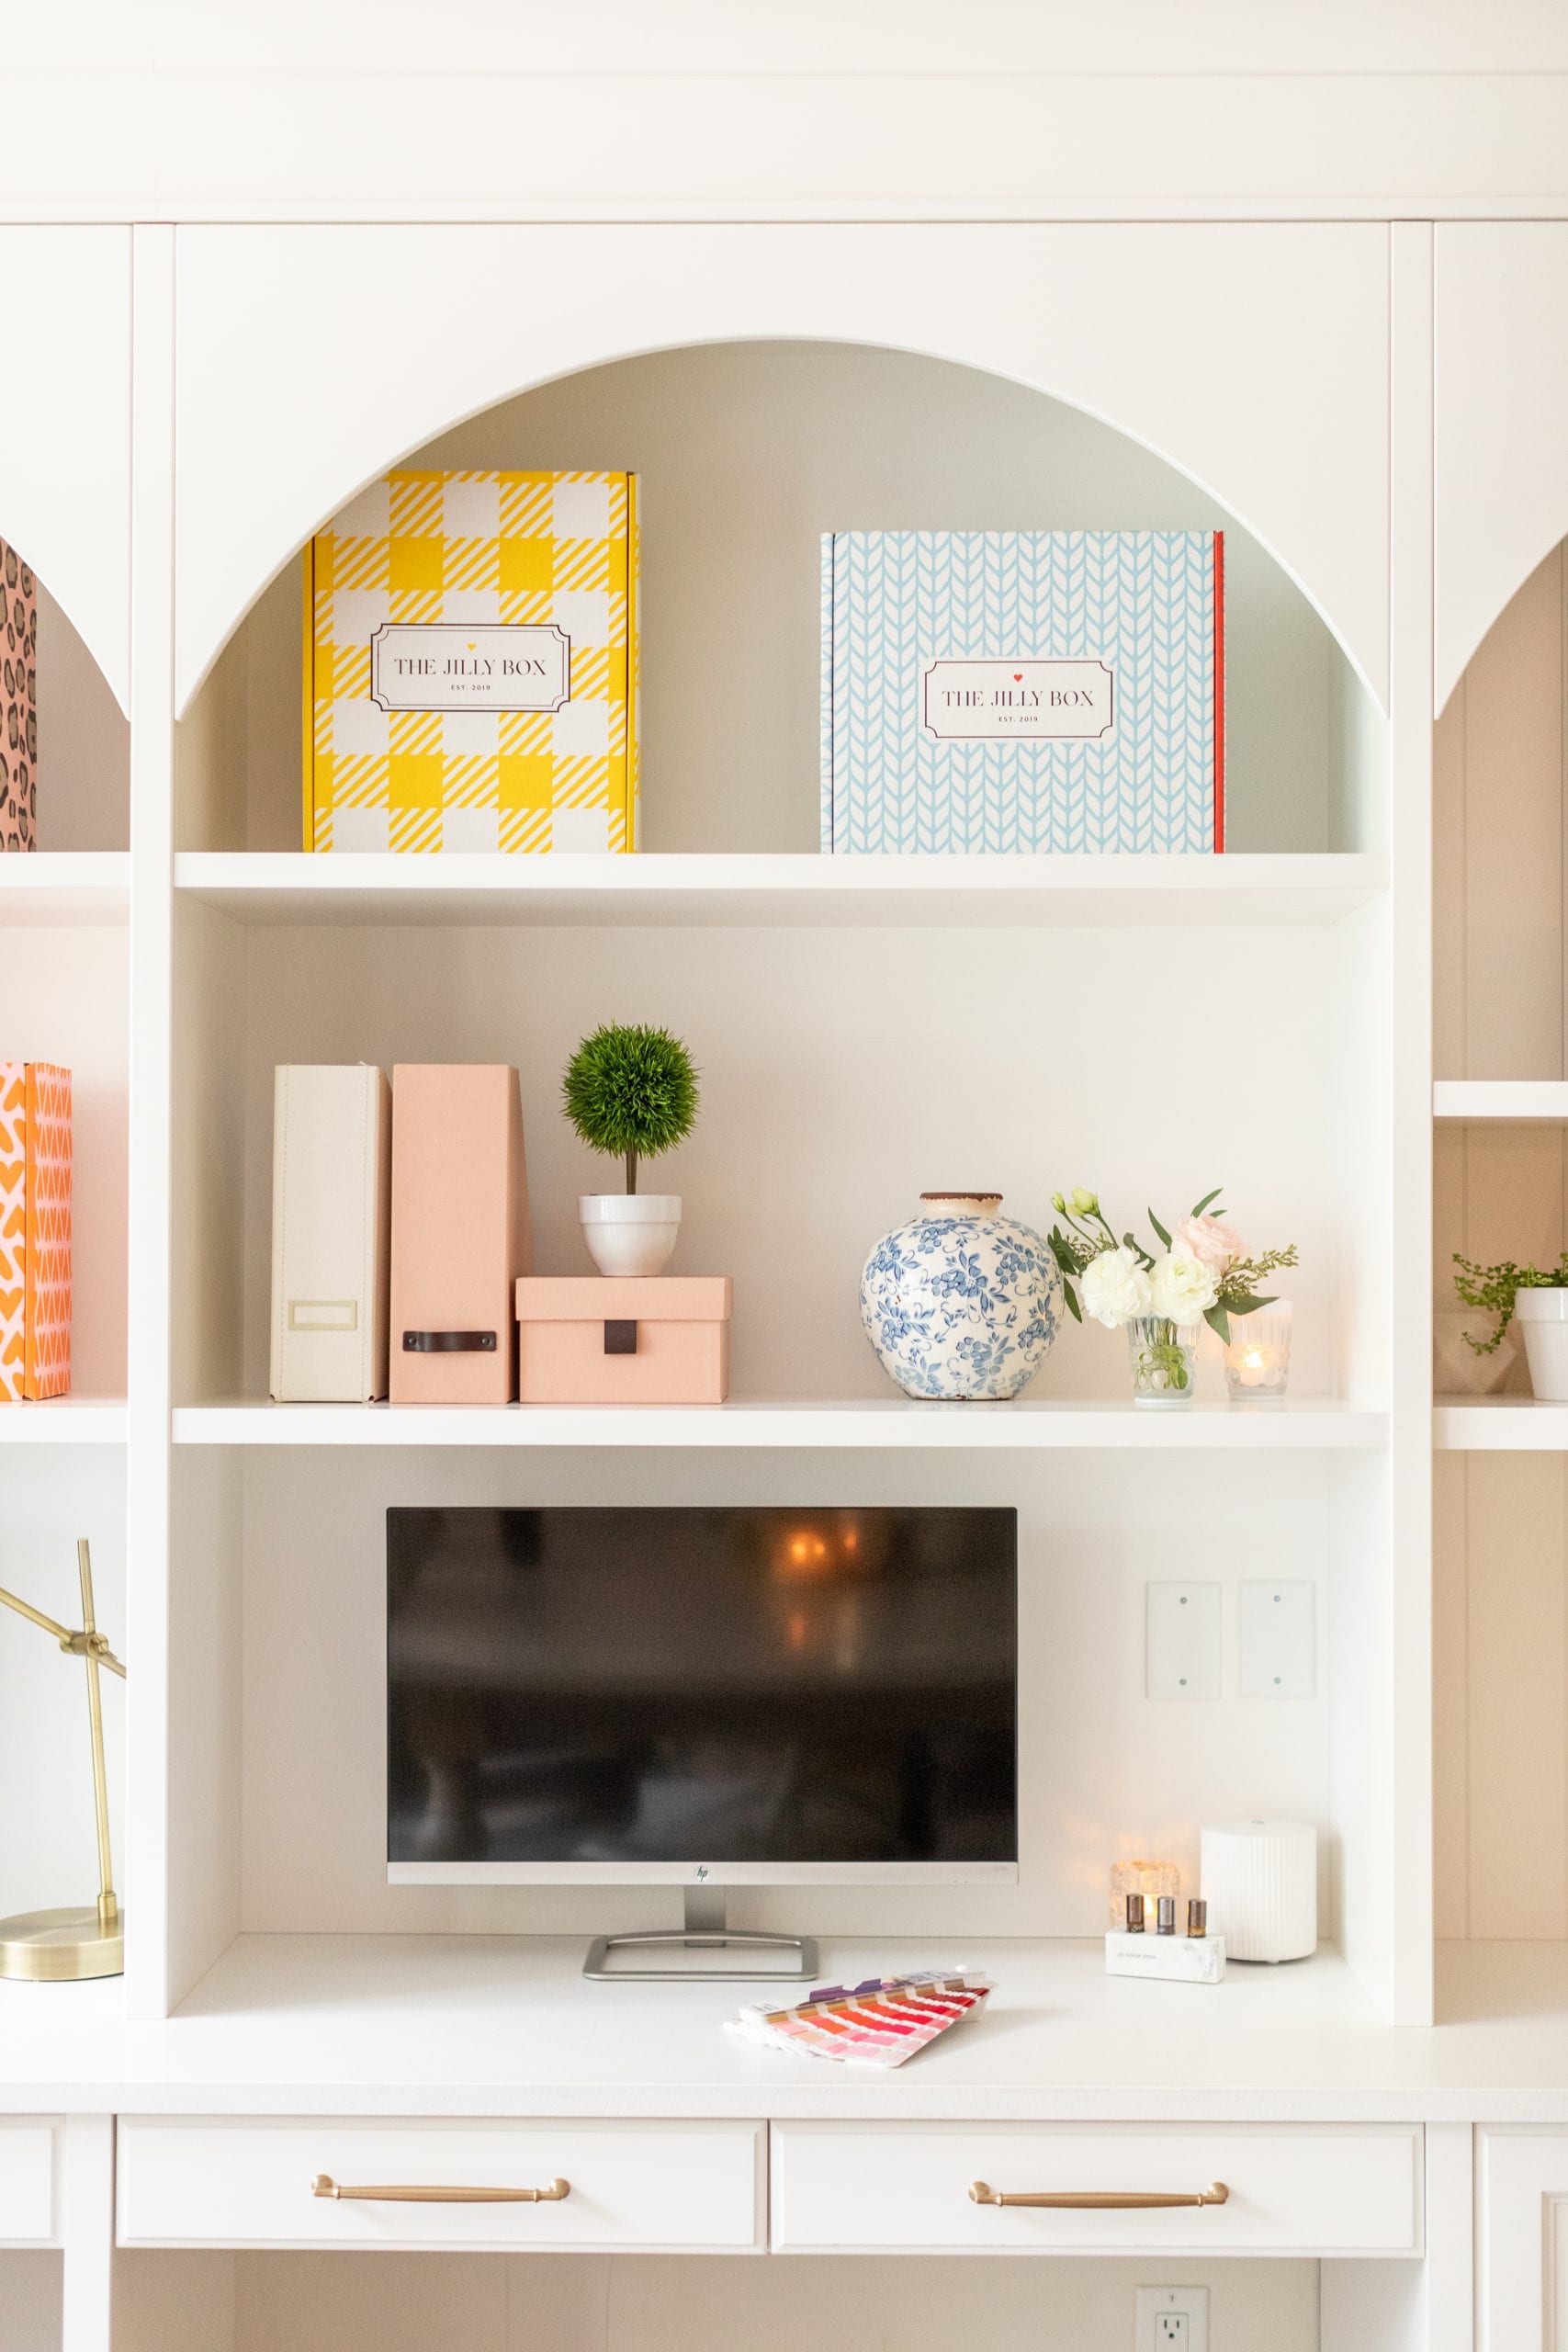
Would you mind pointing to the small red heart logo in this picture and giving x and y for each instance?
(1018, 677)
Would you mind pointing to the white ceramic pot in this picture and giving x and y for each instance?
(629, 1233)
(1542, 1317)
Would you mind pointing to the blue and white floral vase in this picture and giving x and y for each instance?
(962, 1303)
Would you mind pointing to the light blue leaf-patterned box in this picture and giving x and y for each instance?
(1023, 691)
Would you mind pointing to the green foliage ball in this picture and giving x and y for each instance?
(631, 1091)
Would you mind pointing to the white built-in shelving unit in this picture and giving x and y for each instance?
(866, 1028)
(1358, 1020)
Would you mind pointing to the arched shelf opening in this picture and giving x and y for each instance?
(1500, 841)
(75, 758)
(842, 1064)
(1500, 1193)
(64, 788)
(747, 453)
(63, 981)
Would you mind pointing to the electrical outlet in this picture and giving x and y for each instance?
(1173, 2319)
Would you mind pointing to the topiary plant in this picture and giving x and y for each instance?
(631, 1093)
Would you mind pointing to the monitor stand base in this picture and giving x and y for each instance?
(705, 1930)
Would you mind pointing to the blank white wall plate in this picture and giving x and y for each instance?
(1279, 1638)
(1182, 1641)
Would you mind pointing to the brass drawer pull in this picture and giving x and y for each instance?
(325, 2186)
(1097, 2200)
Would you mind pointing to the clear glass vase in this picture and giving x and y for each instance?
(1165, 1361)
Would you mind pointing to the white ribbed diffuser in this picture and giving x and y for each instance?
(1260, 1884)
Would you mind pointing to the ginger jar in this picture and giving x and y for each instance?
(962, 1303)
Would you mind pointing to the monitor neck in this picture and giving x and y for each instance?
(707, 1914)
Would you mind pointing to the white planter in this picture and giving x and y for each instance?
(629, 1233)
(1542, 1316)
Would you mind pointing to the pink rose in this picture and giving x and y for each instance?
(1212, 1243)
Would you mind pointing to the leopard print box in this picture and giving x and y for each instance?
(18, 674)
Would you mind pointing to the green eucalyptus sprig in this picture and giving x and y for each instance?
(1493, 1290)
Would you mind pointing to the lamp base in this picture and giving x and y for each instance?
(60, 1946)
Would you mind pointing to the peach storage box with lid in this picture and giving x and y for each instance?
(657, 1339)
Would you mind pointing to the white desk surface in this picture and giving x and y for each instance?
(494, 2026)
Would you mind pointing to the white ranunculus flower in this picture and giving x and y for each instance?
(1115, 1288)
(1181, 1288)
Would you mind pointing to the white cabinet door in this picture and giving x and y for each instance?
(1253, 358)
(1522, 2240)
(1501, 420)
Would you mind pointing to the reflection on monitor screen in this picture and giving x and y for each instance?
(587, 1690)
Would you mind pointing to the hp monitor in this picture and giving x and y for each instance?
(707, 1697)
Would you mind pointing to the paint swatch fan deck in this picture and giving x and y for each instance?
(35, 1231)
(882, 2021)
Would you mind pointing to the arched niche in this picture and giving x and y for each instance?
(748, 452)
(1500, 824)
(1500, 937)
(64, 966)
(84, 741)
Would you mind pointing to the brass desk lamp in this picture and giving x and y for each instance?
(60, 1946)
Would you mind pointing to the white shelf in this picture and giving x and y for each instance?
(464, 2025)
(64, 1421)
(882, 1423)
(64, 886)
(292, 886)
(503, 2025)
(1500, 1099)
(1499, 1425)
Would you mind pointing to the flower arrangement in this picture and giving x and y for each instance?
(1202, 1272)
(1492, 1289)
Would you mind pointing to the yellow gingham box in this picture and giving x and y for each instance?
(471, 665)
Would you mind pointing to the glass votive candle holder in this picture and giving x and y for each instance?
(1151, 1879)
(1258, 1354)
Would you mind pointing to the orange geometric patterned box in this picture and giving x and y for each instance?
(35, 1231)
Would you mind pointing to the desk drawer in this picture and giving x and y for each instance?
(887, 2187)
(692, 2187)
(27, 2182)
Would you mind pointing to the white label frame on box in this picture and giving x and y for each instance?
(1018, 699)
(462, 665)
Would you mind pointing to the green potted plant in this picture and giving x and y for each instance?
(1537, 1297)
(630, 1092)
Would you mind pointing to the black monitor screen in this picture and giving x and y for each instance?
(662, 1686)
